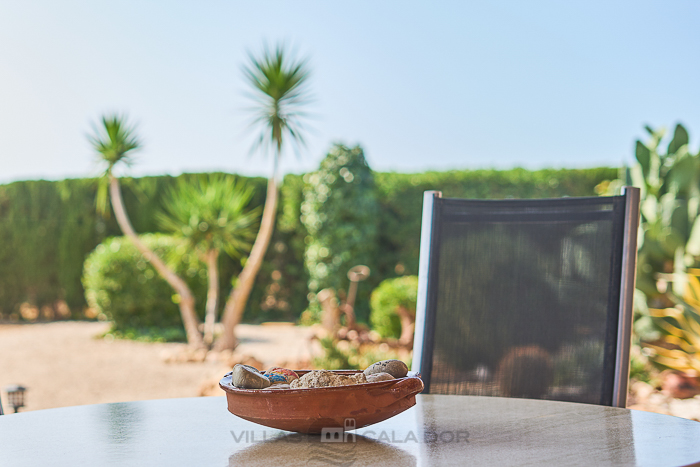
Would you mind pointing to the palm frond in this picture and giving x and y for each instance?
(211, 213)
(114, 141)
(280, 91)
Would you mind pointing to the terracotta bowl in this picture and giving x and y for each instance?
(310, 410)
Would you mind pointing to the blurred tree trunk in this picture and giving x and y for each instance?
(235, 305)
(408, 324)
(212, 258)
(186, 304)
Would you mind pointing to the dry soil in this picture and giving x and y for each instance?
(64, 364)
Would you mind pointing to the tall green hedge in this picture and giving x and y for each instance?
(401, 199)
(47, 229)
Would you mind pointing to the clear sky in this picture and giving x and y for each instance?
(420, 85)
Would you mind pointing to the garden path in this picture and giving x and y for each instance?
(63, 364)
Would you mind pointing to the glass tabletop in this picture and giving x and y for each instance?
(439, 430)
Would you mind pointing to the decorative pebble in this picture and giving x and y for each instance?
(287, 375)
(395, 368)
(375, 377)
(324, 379)
(276, 378)
(246, 377)
(359, 378)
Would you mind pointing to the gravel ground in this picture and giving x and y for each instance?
(63, 364)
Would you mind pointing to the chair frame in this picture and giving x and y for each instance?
(424, 333)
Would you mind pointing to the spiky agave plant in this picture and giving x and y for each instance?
(211, 215)
(681, 325)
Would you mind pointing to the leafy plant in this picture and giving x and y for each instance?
(210, 215)
(333, 358)
(341, 214)
(393, 305)
(680, 345)
(149, 334)
(347, 355)
(641, 368)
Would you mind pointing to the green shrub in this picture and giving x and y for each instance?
(341, 214)
(333, 358)
(123, 286)
(387, 298)
(349, 355)
(149, 334)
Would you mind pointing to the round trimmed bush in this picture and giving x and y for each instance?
(123, 286)
(386, 300)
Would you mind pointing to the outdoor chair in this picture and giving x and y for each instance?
(527, 297)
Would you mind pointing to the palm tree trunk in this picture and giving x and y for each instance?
(189, 317)
(408, 325)
(235, 305)
(212, 296)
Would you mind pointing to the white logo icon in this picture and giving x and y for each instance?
(339, 435)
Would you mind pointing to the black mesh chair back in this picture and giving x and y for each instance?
(527, 298)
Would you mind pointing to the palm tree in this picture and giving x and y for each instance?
(279, 84)
(115, 142)
(210, 214)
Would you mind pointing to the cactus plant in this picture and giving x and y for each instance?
(525, 372)
(668, 244)
(669, 239)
